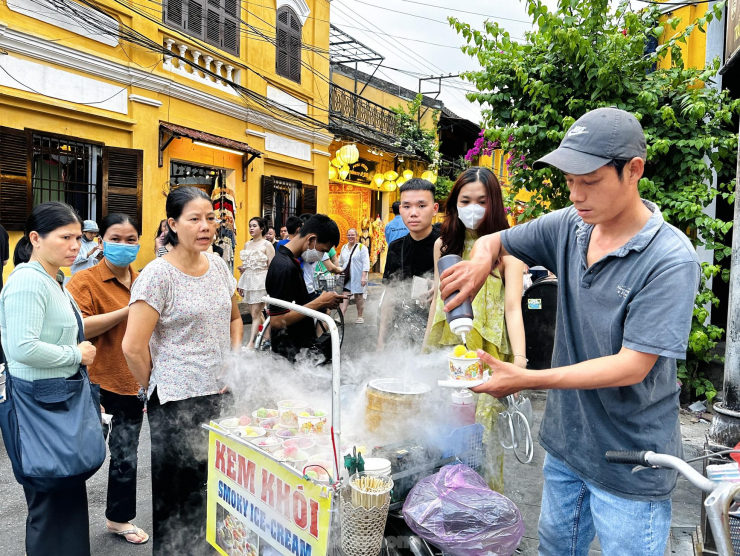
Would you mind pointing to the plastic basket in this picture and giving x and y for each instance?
(464, 442)
(330, 283)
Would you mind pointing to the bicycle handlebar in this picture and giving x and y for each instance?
(651, 459)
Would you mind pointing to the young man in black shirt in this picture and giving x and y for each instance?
(409, 256)
(292, 331)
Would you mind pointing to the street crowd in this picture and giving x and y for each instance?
(126, 343)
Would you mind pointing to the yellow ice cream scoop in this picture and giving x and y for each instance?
(459, 351)
(471, 355)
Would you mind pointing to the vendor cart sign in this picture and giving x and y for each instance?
(249, 493)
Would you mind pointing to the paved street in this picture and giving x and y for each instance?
(523, 482)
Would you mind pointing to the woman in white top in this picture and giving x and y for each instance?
(183, 324)
(355, 260)
(256, 257)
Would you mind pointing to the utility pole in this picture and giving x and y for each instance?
(725, 429)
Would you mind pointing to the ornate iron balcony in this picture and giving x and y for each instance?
(347, 108)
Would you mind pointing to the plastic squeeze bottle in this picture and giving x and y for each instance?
(460, 318)
(463, 408)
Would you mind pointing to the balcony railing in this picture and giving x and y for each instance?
(199, 67)
(350, 106)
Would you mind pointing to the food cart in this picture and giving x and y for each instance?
(263, 500)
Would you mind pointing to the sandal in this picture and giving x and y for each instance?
(133, 531)
(360, 320)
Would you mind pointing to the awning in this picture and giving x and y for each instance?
(178, 132)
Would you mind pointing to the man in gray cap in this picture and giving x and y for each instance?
(90, 251)
(627, 283)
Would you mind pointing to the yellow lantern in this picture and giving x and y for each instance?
(344, 172)
(390, 185)
(332, 173)
(400, 181)
(348, 154)
(408, 174)
(337, 163)
(429, 176)
(378, 179)
(391, 175)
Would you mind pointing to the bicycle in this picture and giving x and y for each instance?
(720, 494)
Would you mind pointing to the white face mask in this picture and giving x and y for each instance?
(311, 255)
(471, 215)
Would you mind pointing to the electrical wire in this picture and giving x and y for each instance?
(427, 5)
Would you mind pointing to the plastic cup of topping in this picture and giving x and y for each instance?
(323, 469)
(269, 444)
(297, 460)
(465, 368)
(230, 424)
(250, 432)
(288, 411)
(302, 443)
(312, 424)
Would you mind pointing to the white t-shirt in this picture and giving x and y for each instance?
(308, 273)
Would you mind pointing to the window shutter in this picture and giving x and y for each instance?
(310, 199)
(295, 48)
(173, 13)
(15, 178)
(268, 198)
(122, 181)
(195, 18)
(288, 51)
(231, 19)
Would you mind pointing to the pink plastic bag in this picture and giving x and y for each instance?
(456, 511)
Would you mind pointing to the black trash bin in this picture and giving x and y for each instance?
(539, 311)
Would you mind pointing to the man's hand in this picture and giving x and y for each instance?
(506, 378)
(92, 251)
(467, 277)
(330, 300)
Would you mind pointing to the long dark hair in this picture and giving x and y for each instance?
(44, 219)
(453, 230)
(176, 201)
(159, 228)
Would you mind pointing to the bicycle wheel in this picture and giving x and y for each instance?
(338, 317)
(259, 343)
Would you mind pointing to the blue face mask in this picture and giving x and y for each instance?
(120, 254)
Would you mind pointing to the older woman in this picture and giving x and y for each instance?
(355, 260)
(38, 318)
(183, 323)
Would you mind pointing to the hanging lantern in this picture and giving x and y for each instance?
(348, 154)
(344, 172)
(391, 175)
(337, 163)
(390, 185)
(378, 179)
(400, 181)
(332, 173)
(408, 174)
(426, 175)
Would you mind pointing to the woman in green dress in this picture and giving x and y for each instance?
(475, 208)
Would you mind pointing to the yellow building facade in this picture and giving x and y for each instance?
(109, 125)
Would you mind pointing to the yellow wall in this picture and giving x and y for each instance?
(138, 128)
(695, 49)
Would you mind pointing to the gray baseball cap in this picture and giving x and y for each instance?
(595, 139)
(90, 226)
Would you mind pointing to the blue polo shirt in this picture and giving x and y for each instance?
(640, 296)
(395, 229)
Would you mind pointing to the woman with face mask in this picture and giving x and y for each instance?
(475, 208)
(103, 293)
(256, 257)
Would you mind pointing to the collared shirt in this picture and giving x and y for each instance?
(83, 261)
(641, 297)
(285, 281)
(97, 291)
(395, 229)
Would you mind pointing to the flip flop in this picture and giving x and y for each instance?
(360, 320)
(133, 531)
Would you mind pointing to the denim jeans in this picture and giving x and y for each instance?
(574, 511)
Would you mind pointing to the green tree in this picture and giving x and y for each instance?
(583, 56)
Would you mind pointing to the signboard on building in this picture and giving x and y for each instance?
(732, 29)
(362, 171)
(253, 501)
